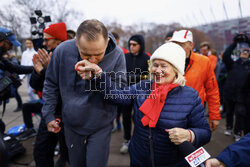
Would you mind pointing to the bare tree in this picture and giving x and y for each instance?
(16, 15)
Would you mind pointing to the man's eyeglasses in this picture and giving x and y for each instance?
(133, 44)
(46, 39)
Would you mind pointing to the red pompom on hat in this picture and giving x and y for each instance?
(57, 30)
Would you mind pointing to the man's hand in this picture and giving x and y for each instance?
(53, 127)
(178, 135)
(44, 57)
(87, 70)
(37, 64)
(214, 124)
(214, 163)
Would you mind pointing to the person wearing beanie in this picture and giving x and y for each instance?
(46, 141)
(54, 35)
(200, 76)
(137, 69)
(166, 112)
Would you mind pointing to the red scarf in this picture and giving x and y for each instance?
(153, 105)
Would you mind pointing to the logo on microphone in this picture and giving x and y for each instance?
(197, 157)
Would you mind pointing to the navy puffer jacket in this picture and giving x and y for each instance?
(182, 109)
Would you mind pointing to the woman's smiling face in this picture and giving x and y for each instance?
(162, 72)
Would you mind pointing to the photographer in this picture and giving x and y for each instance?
(236, 86)
(7, 40)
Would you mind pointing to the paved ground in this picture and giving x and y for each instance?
(218, 142)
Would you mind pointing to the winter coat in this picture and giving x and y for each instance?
(182, 108)
(137, 65)
(200, 76)
(237, 154)
(84, 112)
(237, 81)
(213, 61)
(7, 65)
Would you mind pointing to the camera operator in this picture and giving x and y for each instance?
(7, 40)
(236, 86)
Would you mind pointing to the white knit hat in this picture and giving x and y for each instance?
(182, 36)
(172, 53)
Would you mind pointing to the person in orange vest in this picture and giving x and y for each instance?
(205, 49)
(200, 76)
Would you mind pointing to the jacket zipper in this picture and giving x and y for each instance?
(151, 147)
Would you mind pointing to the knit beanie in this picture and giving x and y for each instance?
(57, 30)
(172, 53)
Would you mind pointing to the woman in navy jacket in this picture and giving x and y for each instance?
(166, 113)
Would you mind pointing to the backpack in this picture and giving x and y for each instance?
(13, 147)
(3, 153)
(8, 83)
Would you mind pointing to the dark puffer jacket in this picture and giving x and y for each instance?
(183, 109)
(237, 82)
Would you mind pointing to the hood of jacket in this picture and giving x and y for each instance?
(140, 40)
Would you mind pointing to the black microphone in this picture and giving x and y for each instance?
(187, 148)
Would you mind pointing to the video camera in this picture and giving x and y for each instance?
(37, 30)
(242, 37)
(242, 44)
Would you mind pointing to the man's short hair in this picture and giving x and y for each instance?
(205, 43)
(115, 35)
(29, 39)
(91, 29)
(71, 34)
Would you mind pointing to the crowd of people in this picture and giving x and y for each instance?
(81, 82)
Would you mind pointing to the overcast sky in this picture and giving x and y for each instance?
(186, 12)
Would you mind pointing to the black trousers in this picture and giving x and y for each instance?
(18, 99)
(45, 146)
(239, 111)
(28, 109)
(127, 120)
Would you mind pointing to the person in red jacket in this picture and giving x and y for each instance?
(200, 76)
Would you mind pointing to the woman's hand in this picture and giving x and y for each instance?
(179, 135)
(87, 70)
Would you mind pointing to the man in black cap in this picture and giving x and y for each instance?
(137, 69)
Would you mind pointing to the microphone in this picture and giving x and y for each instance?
(194, 157)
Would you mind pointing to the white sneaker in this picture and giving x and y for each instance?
(124, 148)
(228, 132)
(237, 137)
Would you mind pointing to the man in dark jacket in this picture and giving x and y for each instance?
(46, 141)
(87, 117)
(137, 69)
(7, 40)
(235, 89)
(237, 154)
